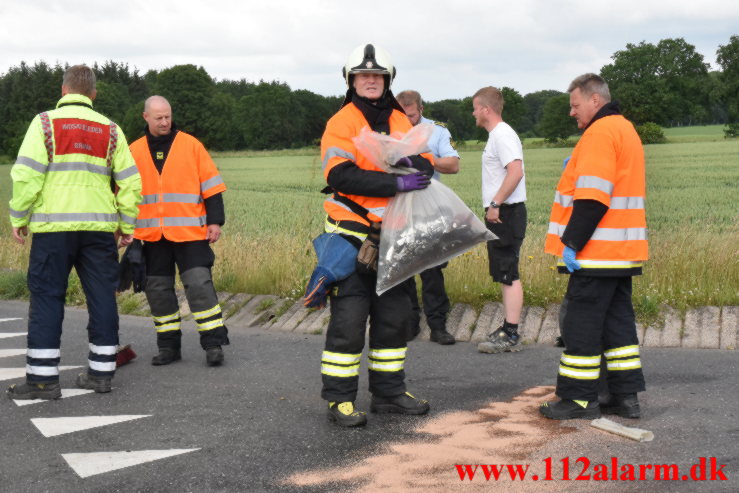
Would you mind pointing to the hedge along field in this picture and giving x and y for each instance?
(274, 210)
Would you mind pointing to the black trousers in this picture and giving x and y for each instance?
(354, 301)
(94, 256)
(194, 260)
(599, 322)
(435, 299)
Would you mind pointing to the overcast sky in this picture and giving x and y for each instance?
(443, 48)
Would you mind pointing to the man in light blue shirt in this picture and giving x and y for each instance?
(433, 291)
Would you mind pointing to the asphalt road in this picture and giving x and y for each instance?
(259, 419)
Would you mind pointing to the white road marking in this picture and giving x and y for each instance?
(5, 335)
(51, 427)
(13, 373)
(9, 319)
(6, 353)
(90, 464)
(65, 393)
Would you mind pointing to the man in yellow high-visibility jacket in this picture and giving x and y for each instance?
(63, 193)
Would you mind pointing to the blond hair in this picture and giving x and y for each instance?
(491, 97)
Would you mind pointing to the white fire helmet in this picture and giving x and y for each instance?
(369, 59)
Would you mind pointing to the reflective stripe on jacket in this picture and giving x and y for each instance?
(62, 177)
(172, 203)
(607, 165)
(337, 147)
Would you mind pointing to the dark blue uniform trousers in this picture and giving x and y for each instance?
(94, 256)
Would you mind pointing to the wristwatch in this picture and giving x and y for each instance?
(494, 204)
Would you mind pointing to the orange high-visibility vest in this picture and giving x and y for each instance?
(337, 147)
(172, 204)
(607, 165)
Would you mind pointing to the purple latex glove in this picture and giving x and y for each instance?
(405, 161)
(415, 181)
(568, 255)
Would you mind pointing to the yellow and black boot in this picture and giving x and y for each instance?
(344, 414)
(570, 409)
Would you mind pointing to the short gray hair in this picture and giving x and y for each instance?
(80, 79)
(591, 84)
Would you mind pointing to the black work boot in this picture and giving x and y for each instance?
(344, 414)
(166, 356)
(500, 341)
(624, 405)
(569, 409)
(100, 385)
(214, 356)
(442, 337)
(400, 404)
(28, 390)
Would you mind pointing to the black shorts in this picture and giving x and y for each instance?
(503, 253)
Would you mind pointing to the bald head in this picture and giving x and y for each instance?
(158, 116)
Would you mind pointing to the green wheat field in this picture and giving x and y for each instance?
(274, 210)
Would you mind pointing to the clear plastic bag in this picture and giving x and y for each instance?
(423, 229)
(385, 150)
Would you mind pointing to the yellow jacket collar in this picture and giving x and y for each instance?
(74, 98)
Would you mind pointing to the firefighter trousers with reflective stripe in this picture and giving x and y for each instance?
(194, 260)
(599, 322)
(353, 300)
(94, 256)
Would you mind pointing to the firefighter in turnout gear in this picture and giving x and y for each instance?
(63, 179)
(598, 226)
(361, 193)
(181, 214)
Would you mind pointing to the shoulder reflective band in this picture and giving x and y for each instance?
(48, 137)
(596, 182)
(337, 151)
(210, 183)
(113, 143)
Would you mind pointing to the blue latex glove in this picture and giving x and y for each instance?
(565, 161)
(415, 181)
(569, 258)
(317, 289)
(337, 259)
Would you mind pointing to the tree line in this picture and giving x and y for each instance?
(667, 83)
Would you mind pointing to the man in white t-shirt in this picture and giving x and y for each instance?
(503, 197)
